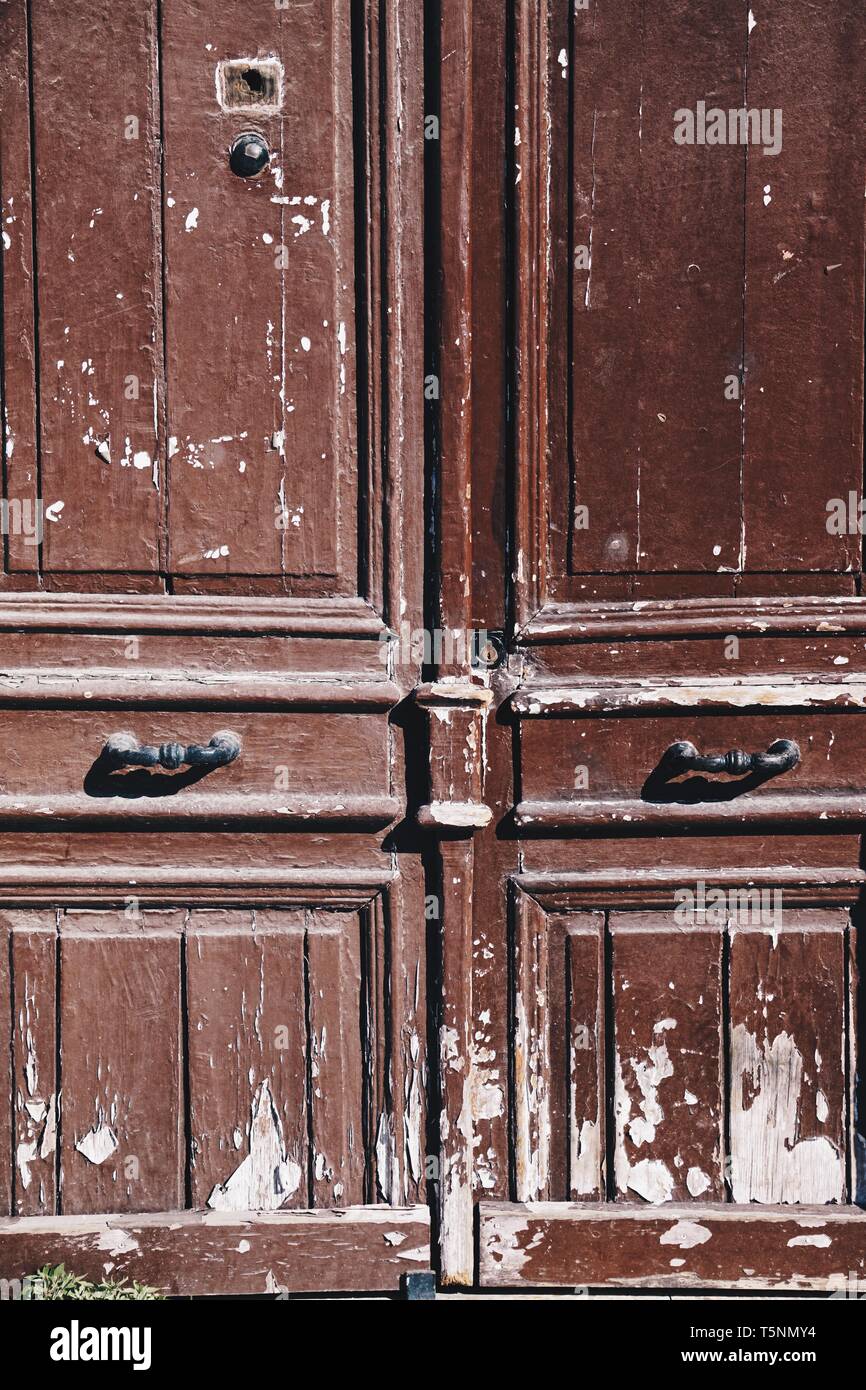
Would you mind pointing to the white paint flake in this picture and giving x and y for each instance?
(686, 1234)
(98, 1144)
(267, 1176)
(191, 220)
(697, 1181)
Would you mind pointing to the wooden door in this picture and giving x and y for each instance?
(433, 840)
(663, 1004)
(215, 970)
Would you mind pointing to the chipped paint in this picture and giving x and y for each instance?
(649, 1178)
(266, 1177)
(98, 1144)
(686, 1234)
(770, 1162)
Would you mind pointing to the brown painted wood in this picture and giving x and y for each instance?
(18, 384)
(404, 857)
(804, 241)
(97, 201)
(668, 1045)
(32, 966)
(789, 1035)
(359, 1249)
(333, 964)
(687, 1246)
(121, 1121)
(659, 326)
(558, 1049)
(247, 1027)
(261, 472)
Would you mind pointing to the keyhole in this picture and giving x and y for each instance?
(253, 79)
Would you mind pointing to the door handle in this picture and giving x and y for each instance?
(781, 756)
(124, 750)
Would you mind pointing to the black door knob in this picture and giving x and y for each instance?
(249, 155)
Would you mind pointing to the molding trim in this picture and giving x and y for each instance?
(206, 617)
(185, 885)
(655, 888)
(663, 696)
(664, 619)
(809, 809)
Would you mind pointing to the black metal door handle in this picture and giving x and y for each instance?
(781, 756)
(124, 750)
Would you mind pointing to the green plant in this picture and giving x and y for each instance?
(56, 1282)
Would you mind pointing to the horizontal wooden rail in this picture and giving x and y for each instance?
(195, 1253)
(623, 1244)
(813, 809)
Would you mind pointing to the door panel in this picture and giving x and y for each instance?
(260, 312)
(97, 208)
(198, 328)
(217, 974)
(699, 1065)
(689, 341)
(683, 1108)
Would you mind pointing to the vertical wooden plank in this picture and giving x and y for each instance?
(804, 286)
(668, 1047)
(18, 356)
(531, 1077)
(657, 289)
(456, 1116)
(100, 331)
(263, 453)
(490, 294)
(6, 1076)
(585, 1039)
(33, 957)
(122, 1113)
(558, 1054)
(337, 1070)
(788, 1014)
(606, 261)
(247, 1060)
(455, 317)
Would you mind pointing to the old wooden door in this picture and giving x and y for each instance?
(215, 970)
(553, 930)
(664, 996)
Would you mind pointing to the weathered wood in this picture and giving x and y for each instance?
(198, 1253)
(337, 1027)
(668, 1046)
(97, 199)
(260, 481)
(553, 1243)
(558, 1050)
(32, 962)
(247, 1060)
(804, 246)
(626, 816)
(788, 1042)
(121, 1117)
(18, 373)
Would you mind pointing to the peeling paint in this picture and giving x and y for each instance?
(769, 1161)
(266, 1177)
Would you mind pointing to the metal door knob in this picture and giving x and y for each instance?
(249, 155)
